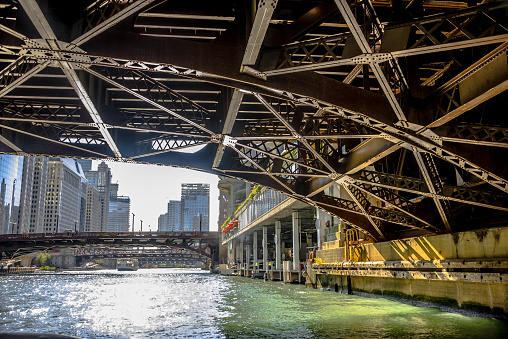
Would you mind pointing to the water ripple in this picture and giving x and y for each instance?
(176, 303)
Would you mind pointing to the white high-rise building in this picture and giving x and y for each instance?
(93, 210)
(66, 191)
(102, 180)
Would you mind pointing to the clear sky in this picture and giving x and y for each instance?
(150, 188)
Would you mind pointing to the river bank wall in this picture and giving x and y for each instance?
(465, 269)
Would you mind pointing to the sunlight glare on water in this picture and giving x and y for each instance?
(190, 303)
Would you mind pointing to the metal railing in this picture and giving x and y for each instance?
(261, 203)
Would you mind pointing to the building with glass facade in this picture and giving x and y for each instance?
(195, 207)
(11, 172)
(86, 164)
(119, 211)
(174, 215)
(33, 194)
(170, 221)
(162, 223)
(102, 180)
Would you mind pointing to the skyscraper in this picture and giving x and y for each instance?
(174, 215)
(66, 190)
(170, 221)
(162, 223)
(86, 164)
(195, 207)
(11, 170)
(93, 210)
(102, 180)
(119, 211)
(33, 194)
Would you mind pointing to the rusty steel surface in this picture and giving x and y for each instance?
(401, 103)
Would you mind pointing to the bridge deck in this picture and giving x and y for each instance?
(197, 242)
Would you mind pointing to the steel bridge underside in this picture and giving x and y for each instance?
(401, 103)
(204, 244)
(144, 255)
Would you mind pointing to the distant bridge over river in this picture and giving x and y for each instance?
(200, 243)
(153, 255)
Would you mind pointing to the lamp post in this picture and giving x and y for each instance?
(141, 231)
(133, 223)
(75, 226)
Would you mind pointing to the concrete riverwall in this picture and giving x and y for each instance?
(466, 269)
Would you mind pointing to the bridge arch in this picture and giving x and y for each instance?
(287, 104)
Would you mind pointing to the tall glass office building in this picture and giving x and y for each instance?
(11, 173)
(195, 208)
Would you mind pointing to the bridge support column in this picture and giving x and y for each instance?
(237, 251)
(296, 241)
(277, 241)
(265, 248)
(241, 256)
(320, 227)
(247, 254)
(230, 256)
(255, 248)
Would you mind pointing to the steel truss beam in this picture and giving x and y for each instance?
(449, 103)
(104, 14)
(394, 200)
(264, 171)
(18, 72)
(257, 35)
(431, 176)
(292, 135)
(467, 195)
(53, 121)
(364, 120)
(352, 212)
(293, 132)
(86, 152)
(316, 54)
(364, 205)
(398, 136)
(161, 97)
(263, 15)
(41, 24)
(474, 134)
(287, 153)
(233, 108)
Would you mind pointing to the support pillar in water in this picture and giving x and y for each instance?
(296, 241)
(277, 241)
(247, 253)
(265, 248)
(349, 288)
(320, 227)
(255, 248)
(241, 252)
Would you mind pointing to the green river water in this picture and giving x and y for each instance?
(190, 303)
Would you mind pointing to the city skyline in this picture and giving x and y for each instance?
(151, 187)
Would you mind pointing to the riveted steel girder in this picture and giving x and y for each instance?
(315, 95)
